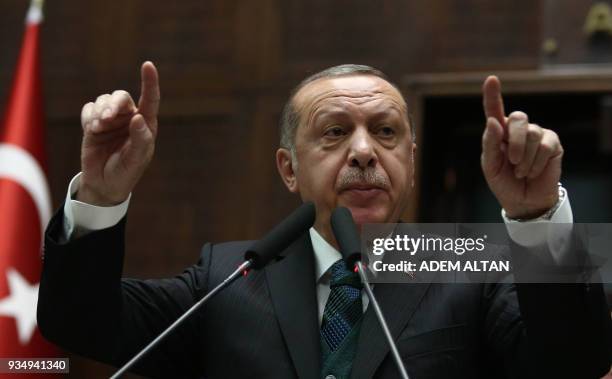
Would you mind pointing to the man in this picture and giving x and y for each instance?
(345, 141)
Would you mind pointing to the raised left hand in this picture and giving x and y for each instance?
(521, 161)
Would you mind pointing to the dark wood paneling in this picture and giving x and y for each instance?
(411, 36)
(564, 30)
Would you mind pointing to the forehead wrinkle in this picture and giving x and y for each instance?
(325, 103)
(355, 96)
(307, 99)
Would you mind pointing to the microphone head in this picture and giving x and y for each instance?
(281, 236)
(346, 234)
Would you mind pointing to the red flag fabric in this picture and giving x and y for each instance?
(25, 204)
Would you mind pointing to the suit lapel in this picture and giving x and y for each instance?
(398, 303)
(292, 286)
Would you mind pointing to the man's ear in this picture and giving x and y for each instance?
(284, 164)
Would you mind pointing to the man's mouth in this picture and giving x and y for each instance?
(361, 187)
(362, 192)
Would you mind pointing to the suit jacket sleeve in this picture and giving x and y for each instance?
(86, 307)
(549, 330)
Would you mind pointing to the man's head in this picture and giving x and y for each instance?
(346, 141)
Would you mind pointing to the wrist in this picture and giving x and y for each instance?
(526, 214)
(87, 194)
(544, 212)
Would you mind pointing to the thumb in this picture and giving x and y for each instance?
(493, 148)
(141, 142)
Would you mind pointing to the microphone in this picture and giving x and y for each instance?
(345, 231)
(281, 236)
(257, 257)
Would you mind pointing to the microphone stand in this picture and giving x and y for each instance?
(381, 319)
(345, 231)
(242, 270)
(256, 257)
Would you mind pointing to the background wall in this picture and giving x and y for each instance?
(226, 68)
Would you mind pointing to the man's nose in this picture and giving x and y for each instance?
(362, 153)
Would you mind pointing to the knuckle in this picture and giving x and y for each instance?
(86, 108)
(534, 133)
(102, 98)
(518, 116)
(120, 92)
(553, 143)
(86, 112)
(547, 149)
(122, 96)
(554, 136)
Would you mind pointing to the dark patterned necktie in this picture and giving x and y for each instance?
(344, 308)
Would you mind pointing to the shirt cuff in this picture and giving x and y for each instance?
(553, 228)
(81, 218)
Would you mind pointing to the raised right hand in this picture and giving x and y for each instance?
(118, 141)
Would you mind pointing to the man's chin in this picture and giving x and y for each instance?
(367, 215)
(367, 207)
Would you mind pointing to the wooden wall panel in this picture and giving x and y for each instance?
(412, 36)
(564, 26)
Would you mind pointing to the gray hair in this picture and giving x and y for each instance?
(290, 117)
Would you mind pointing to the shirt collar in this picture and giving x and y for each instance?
(325, 254)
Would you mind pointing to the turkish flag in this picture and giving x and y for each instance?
(25, 204)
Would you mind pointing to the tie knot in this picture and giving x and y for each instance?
(341, 275)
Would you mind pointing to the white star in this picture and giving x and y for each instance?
(20, 304)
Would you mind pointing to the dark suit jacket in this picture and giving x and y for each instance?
(266, 325)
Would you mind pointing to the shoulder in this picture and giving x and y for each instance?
(220, 259)
(230, 247)
(227, 251)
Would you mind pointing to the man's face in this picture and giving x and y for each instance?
(353, 149)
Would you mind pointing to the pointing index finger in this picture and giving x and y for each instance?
(148, 105)
(492, 99)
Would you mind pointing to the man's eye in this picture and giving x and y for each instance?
(335, 131)
(386, 131)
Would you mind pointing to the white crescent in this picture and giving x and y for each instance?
(20, 166)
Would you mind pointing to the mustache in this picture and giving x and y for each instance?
(355, 176)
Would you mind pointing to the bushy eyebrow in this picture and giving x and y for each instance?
(334, 114)
(337, 113)
(391, 111)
